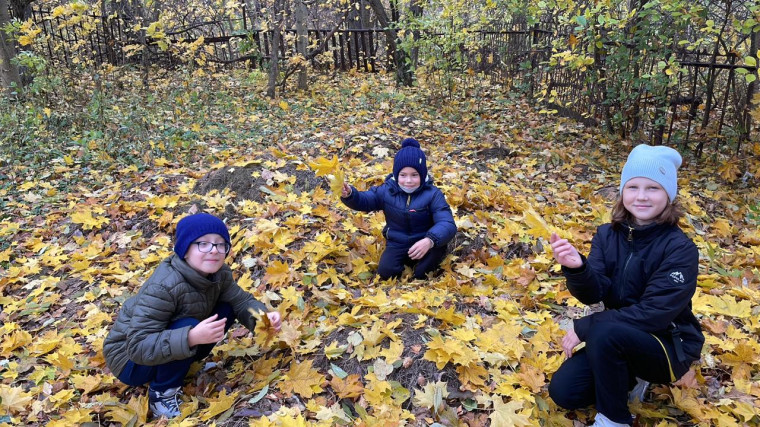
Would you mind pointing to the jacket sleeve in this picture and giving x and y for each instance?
(241, 301)
(149, 342)
(365, 201)
(444, 228)
(667, 294)
(589, 283)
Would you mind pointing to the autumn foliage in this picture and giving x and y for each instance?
(474, 345)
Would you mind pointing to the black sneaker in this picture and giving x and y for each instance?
(164, 403)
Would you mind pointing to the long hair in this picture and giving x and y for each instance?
(672, 214)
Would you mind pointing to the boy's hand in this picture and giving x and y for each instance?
(346, 191)
(565, 253)
(419, 249)
(209, 331)
(569, 342)
(275, 320)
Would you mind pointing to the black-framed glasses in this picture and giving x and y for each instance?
(206, 247)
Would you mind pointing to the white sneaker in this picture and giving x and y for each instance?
(165, 403)
(602, 421)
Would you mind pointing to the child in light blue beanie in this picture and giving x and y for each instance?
(658, 163)
(644, 269)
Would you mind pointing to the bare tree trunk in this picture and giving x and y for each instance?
(18, 7)
(401, 62)
(416, 9)
(274, 57)
(302, 41)
(751, 89)
(8, 71)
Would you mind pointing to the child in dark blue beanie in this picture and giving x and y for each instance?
(419, 222)
(184, 308)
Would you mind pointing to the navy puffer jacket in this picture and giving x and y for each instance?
(408, 217)
(174, 291)
(646, 278)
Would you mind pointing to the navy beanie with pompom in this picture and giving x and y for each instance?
(194, 226)
(410, 155)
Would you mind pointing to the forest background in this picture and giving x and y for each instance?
(120, 117)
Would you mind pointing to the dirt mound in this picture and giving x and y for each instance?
(255, 181)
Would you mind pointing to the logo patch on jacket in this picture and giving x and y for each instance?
(677, 277)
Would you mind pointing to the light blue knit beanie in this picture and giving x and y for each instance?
(658, 163)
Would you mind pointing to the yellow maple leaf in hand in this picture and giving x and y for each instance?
(302, 379)
(336, 182)
(264, 332)
(324, 166)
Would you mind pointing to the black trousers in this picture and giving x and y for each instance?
(396, 256)
(605, 370)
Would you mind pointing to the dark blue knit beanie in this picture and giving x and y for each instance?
(194, 226)
(410, 155)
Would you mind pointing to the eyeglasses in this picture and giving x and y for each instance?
(206, 247)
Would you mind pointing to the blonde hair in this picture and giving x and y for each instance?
(672, 214)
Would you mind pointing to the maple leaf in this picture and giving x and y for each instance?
(349, 388)
(14, 399)
(505, 414)
(472, 375)
(85, 217)
(324, 166)
(278, 274)
(216, 406)
(336, 182)
(302, 379)
(264, 332)
(431, 396)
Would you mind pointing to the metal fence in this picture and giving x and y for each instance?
(710, 100)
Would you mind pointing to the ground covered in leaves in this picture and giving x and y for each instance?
(474, 345)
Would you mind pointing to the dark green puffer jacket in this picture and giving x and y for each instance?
(174, 291)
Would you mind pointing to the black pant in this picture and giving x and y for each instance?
(605, 370)
(396, 256)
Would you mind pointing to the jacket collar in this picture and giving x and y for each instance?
(194, 278)
(645, 233)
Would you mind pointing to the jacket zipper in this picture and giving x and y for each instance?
(627, 259)
(408, 215)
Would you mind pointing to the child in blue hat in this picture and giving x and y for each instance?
(644, 269)
(419, 222)
(184, 308)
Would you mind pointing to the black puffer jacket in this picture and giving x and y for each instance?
(646, 278)
(408, 217)
(174, 291)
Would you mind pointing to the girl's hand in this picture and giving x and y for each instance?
(569, 342)
(565, 253)
(275, 320)
(419, 249)
(209, 331)
(346, 191)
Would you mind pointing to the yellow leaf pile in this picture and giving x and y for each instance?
(476, 344)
